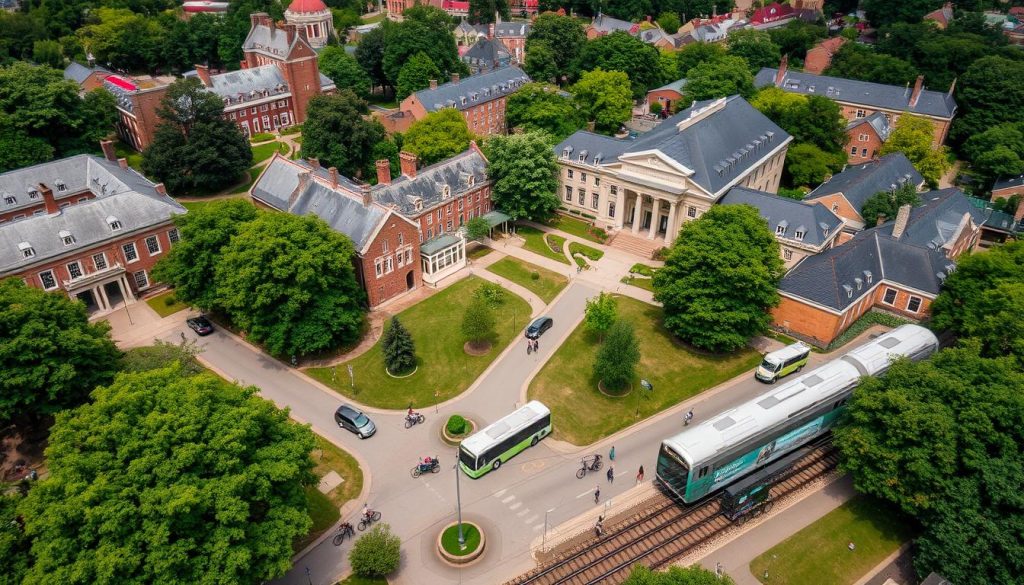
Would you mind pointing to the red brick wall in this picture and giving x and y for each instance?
(818, 59)
(845, 210)
(477, 117)
(664, 96)
(243, 116)
(941, 127)
(386, 245)
(431, 226)
(861, 151)
(1010, 192)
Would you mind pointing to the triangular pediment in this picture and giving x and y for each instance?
(655, 160)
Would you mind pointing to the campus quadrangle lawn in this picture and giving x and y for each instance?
(567, 380)
(534, 242)
(435, 324)
(519, 271)
(819, 554)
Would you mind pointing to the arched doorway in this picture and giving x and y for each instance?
(409, 280)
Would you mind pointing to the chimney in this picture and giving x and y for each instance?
(383, 172)
(203, 72)
(314, 162)
(901, 221)
(917, 91)
(408, 162)
(455, 77)
(254, 18)
(780, 75)
(367, 198)
(490, 31)
(333, 172)
(303, 182)
(123, 163)
(880, 220)
(48, 200)
(433, 84)
(590, 126)
(108, 150)
(160, 188)
(952, 86)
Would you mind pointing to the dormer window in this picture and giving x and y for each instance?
(859, 282)
(583, 157)
(849, 291)
(66, 237)
(114, 223)
(446, 192)
(418, 204)
(565, 153)
(33, 193)
(61, 187)
(472, 180)
(835, 208)
(868, 276)
(780, 230)
(799, 235)
(27, 251)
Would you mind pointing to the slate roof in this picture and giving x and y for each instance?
(438, 243)
(473, 90)
(120, 193)
(271, 42)
(251, 82)
(706, 144)
(503, 30)
(936, 222)
(858, 183)
(877, 121)
(653, 35)
(428, 185)
(676, 86)
(876, 95)
(606, 24)
(79, 73)
(818, 224)
(488, 54)
(281, 187)
(1008, 183)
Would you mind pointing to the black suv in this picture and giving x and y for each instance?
(538, 327)
(353, 419)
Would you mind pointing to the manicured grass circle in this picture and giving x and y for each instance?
(450, 539)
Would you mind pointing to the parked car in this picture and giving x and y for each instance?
(353, 419)
(538, 327)
(201, 325)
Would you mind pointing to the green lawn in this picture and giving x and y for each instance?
(819, 555)
(377, 18)
(323, 508)
(254, 173)
(126, 152)
(262, 152)
(644, 283)
(535, 243)
(262, 137)
(450, 539)
(443, 365)
(520, 272)
(576, 227)
(357, 580)
(567, 380)
(165, 304)
(478, 252)
(591, 253)
(193, 205)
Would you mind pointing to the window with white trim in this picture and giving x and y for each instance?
(890, 296)
(691, 211)
(581, 196)
(141, 280)
(378, 265)
(787, 254)
(853, 150)
(153, 245)
(594, 200)
(74, 269)
(27, 251)
(67, 238)
(570, 173)
(130, 253)
(799, 235)
(568, 193)
(780, 230)
(47, 279)
(99, 261)
(835, 208)
(862, 137)
(611, 209)
(384, 246)
(613, 189)
(861, 113)
(914, 304)
(10, 199)
(583, 177)
(173, 236)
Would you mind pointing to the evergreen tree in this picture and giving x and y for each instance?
(398, 348)
(478, 324)
(617, 358)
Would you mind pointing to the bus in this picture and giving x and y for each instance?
(487, 449)
(783, 362)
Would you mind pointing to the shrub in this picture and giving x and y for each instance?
(599, 233)
(291, 129)
(535, 275)
(656, 108)
(377, 553)
(478, 324)
(642, 269)
(490, 293)
(261, 137)
(574, 211)
(456, 425)
(617, 357)
(588, 216)
(169, 300)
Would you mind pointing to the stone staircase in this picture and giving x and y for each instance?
(635, 245)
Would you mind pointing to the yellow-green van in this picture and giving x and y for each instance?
(782, 362)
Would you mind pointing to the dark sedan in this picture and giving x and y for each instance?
(538, 327)
(201, 325)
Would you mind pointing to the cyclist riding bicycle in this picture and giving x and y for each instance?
(367, 512)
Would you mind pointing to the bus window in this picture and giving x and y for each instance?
(467, 459)
(703, 471)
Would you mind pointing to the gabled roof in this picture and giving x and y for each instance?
(1008, 183)
(271, 41)
(79, 73)
(298, 188)
(606, 24)
(938, 221)
(858, 183)
(244, 81)
(473, 90)
(460, 173)
(676, 86)
(719, 140)
(504, 30)
(877, 121)
(817, 224)
(653, 35)
(489, 52)
(119, 193)
(876, 95)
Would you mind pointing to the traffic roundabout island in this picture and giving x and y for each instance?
(451, 551)
(456, 429)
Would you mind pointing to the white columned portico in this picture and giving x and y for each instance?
(126, 291)
(636, 213)
(670, 228)
(103, 294)
(655, 217)
(620, 209)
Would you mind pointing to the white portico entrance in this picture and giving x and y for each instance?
(650, 216)
(102, 291)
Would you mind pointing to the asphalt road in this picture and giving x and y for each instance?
(510, 504)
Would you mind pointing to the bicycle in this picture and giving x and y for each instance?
(592, 463)
(344, 531)
(365, 522)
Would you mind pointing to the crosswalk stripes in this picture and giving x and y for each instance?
(513, 504)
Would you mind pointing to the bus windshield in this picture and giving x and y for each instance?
(770, 365)
(673, 470)
(467, 459)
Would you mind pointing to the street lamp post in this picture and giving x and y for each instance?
(458, 501)
(648, 387)
(544, 540)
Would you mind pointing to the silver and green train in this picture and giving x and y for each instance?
(708, 456)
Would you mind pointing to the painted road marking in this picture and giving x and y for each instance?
(531, 519)
(586, 493)
(500, 493)
(508, 499)
(523, 513)
(515, 505)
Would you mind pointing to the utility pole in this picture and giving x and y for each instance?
(458, 501)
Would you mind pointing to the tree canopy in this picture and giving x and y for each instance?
(370, 55)
(416, 75)
(525, 175)
(344, 70)
(194, 147)
(604, 98)
(989, 95)
(854, 61)
(52, 356)
(420, 34)
(617, 358)
(166, 478)
(398, 348)
(888, 203)
(808, 166)
(756, 47)
(720, 278)
(913, 137)
(810, 119)
(694, 54)
(621, 51)
(289, 282)
(377, 553)
(539, 107)
(996, 152)
(541, 64)
(478, 324)
(719, 78)
(942, 439)
(563, 35)
(337, 133)
(797, 37)
(882, 12)
(641, 575)
(601, 313)
(439, 135)
(483, 11)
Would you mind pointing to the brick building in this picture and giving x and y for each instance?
(603, 24)
(480, 98)
(138, 99)
(511, 34)
(651, 185)
(486, 55)
(897, 267)
(87, 226)
(860, 99)
(87, 78)
(668, 95)
(866, 137)
(819, 57)
(847, 192)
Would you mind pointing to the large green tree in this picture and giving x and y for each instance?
(415, 75)
(338, 132)
(888, 203)
(617, 358)
(51, 356)
(601, 313)
(621, 51)
(719, 78)
(942, 439)
(811, 119)
(604, 98)
(483, 11)
(536, 106)
(563, 35)
(123, 38)
(439, 135)
(913, 137)
(797, 37)
(525, 175)
(641, 575)
(882, 12)
(720, 278)
(344, 70)
(808, 166)
(289, 282)
(996, 152)
(478, 324)
(989, 95)
(190, 264)
(167, 478)
(694, 54)
(376, 554)
(194, 147)
(756, 47)
(856, 61)
(404, 39)
(541, 64)
(370, 55)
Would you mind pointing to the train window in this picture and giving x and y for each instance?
(703, 471)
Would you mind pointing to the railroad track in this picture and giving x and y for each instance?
(661, 533)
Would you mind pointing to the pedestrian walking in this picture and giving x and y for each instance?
(640, 475)
(529, 347)
(182, 333)
(611, 473)
(611, 453)
(599, 526)
(597, 493)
